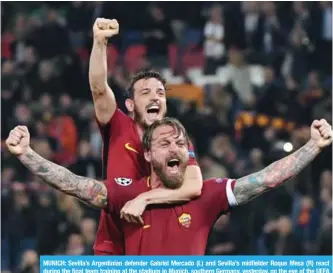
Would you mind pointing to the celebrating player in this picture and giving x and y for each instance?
(122, 134)
(169, 229)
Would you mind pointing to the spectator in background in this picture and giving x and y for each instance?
(21, 224)
(277, 238)
(301, 17)
(22, 38)
(88, 230)
(51, 39)
(211, 168)
(9, 95)
(46, 81)
(324, 37)
(78, 24)
(305, 222)
(30, 263)
(224, 152)
(296, 61)
(85, 164)
(272, 40)
(239, 78)
(252, 22)
(221, 104)
(324, 235)
(223, 238)
(48, 223)
(158, 35)
(95, 140)
(255, 162)
(214, 49)
(270, 94)
(75, 245)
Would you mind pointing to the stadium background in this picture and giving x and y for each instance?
(245, 78)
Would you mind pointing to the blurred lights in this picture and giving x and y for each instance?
(288, 147)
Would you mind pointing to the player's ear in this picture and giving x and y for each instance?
(129, 105)
(148, 156)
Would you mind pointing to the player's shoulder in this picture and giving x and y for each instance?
(213, 182)
(119, 115)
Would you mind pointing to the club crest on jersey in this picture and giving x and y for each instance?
(123, 181)
(185, 220)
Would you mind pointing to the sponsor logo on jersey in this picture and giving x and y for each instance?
(185, 220)
(130, 148)
(123, 181)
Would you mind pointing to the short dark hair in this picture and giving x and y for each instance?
(145, 74)
(147, 137)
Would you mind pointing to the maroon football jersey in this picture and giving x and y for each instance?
(123, 160)
(173, 229)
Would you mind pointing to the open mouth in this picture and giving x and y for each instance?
(153, 111)
(173, 165)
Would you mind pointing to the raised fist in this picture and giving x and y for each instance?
(105, 28)
(18, 140)
(321, 133)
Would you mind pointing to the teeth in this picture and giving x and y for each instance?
(173, 160)
(154, 107)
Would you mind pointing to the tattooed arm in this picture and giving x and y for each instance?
(286, 168)
(249, 187)
(87, 190)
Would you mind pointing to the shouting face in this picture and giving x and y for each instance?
(168, 155)
(149, 102)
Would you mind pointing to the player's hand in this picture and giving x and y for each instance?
(18, 140)
(321, 133)
(132, 211)
(105, 28)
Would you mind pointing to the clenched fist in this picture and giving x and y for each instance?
(321, 133)
(18, 140)
(105, 28)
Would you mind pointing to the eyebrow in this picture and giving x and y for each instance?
(145, 89)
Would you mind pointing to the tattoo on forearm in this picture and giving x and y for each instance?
(88, 190)
(275, 174)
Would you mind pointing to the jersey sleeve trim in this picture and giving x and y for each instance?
(230, 194)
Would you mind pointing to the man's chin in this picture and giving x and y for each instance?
(149, 121)
(172, 181)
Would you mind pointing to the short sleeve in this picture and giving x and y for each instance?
(218, 196)
(192, 158)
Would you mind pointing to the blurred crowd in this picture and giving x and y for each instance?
(240, 129)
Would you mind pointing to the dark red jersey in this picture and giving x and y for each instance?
(123, 159)
(173, 229)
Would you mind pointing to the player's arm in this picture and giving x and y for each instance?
(279, 172)
(87, 190)
(104, 99)
(190, 189)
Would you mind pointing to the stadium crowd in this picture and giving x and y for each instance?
(239, 128)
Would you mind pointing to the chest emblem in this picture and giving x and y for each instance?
(185, 220)
(123, 181)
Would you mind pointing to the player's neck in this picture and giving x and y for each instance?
(141, 130)
(155, 181)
